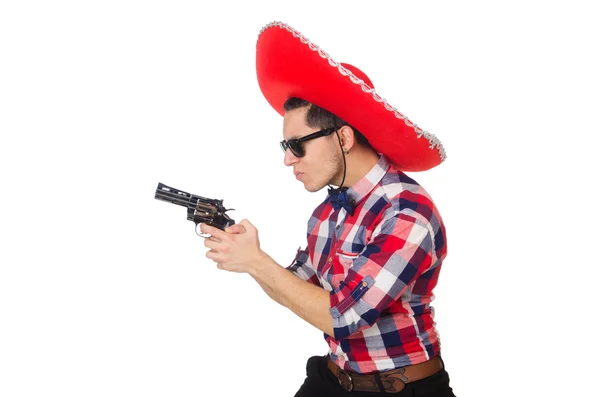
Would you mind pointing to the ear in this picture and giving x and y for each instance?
(347, 137)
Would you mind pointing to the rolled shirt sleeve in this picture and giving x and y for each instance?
(301, 267)
(400, 250)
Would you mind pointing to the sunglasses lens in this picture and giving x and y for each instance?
(296, 148)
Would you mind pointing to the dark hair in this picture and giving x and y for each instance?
(317, 117)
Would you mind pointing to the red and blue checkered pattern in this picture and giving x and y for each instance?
(380, 266)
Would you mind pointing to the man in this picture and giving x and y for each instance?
(374, 246)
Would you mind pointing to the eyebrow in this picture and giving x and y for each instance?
(298, 136)
(295, 136)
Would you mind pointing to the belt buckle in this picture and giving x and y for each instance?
(348, 384)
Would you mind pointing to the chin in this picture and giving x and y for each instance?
(313, 187)
(308, 187)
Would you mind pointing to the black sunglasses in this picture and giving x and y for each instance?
(295, 145)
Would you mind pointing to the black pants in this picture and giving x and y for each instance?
(320, 382)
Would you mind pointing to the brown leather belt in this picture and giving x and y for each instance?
(390, 381)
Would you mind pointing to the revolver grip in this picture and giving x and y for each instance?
(221, 221)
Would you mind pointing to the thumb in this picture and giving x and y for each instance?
(235, 229)
(245, 223)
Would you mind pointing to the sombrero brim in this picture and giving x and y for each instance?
(289, 65)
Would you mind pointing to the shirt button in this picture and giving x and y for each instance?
(337, 227)
(329, 260)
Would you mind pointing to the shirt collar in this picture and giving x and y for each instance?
(365, 185)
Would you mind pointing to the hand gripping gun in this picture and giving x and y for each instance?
(199, 209)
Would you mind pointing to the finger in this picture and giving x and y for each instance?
(212, 255)
(213, 231)
(211, 243)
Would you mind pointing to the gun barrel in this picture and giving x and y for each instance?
(172, 195)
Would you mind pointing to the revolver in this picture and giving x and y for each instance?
(199, 209)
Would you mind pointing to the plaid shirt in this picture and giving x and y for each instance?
(380, 266)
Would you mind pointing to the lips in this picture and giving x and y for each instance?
(298, 174)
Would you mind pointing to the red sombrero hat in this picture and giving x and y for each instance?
(289, 65)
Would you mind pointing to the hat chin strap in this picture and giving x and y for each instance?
(340, 188)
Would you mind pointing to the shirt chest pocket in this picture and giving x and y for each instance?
(346, 258)
(342, 262)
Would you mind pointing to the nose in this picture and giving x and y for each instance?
(289, 158)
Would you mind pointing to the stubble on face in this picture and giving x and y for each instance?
(329, 174)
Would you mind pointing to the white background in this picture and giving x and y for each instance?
(105, 291)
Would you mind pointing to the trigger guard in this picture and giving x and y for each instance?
(201, 234)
